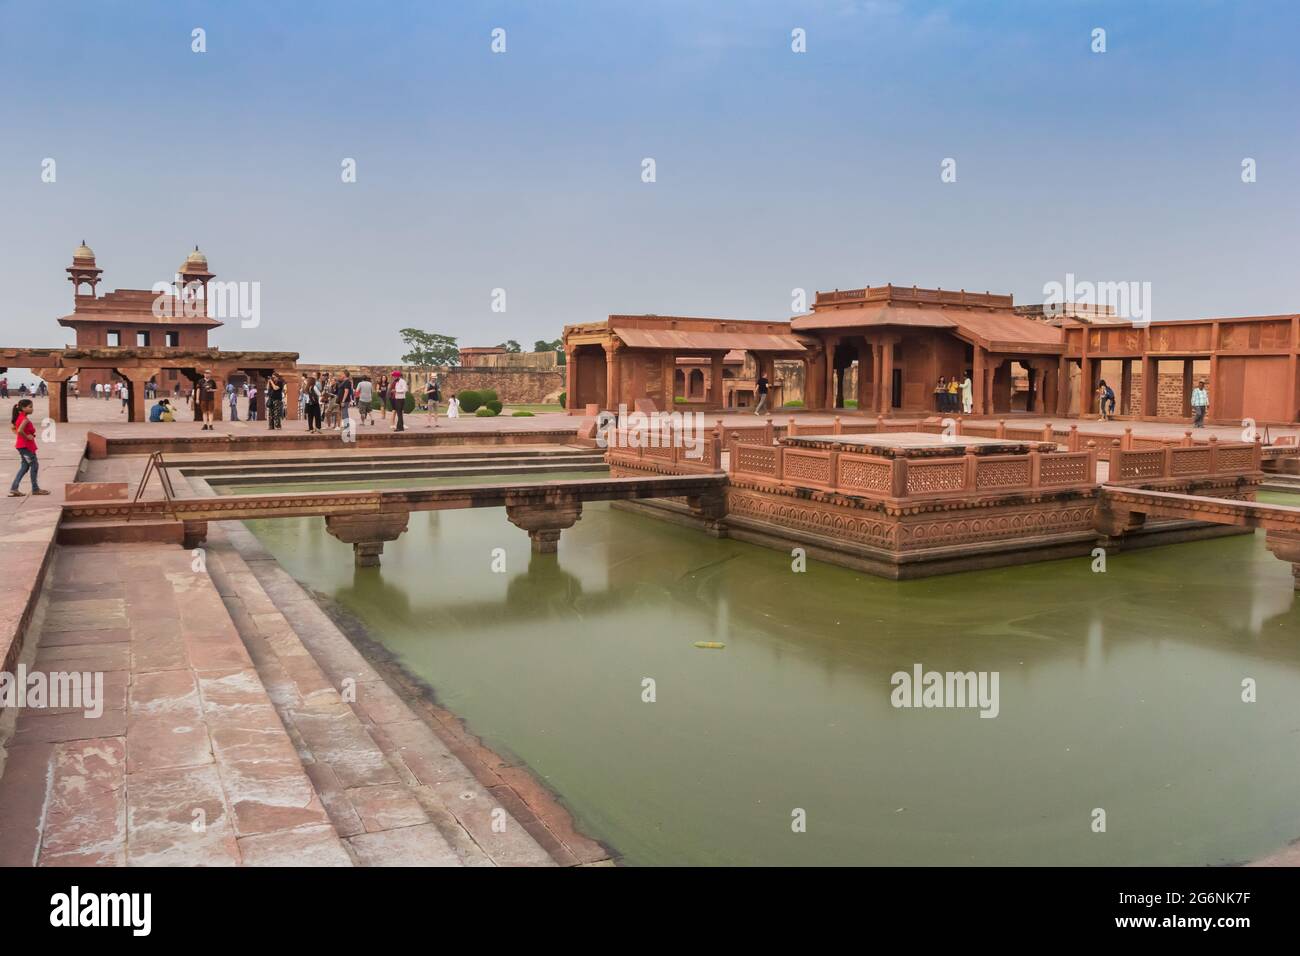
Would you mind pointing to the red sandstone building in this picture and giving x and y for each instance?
(887, 346)
(126, 318)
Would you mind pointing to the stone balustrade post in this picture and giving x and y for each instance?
(1001, 429)
(769, 436)
(837, 428)
(1049, 433)
(715, 450)
(1214, 454)
(1073, 442)
(1091, 448)
(1128, 438)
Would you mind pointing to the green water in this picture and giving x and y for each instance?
(1118, 690)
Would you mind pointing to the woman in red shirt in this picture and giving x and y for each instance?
(25, 430)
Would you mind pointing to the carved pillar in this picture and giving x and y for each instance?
(831, 342)
(978, 385)
(135, 382)
(56, 380)
(715, 379)
(292, 386)
(1286, 546)
(1187, 388)
(544, 518)
(570, 382)
(367, 533)
(886, 376)
(611, 375)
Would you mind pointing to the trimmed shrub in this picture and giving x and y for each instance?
(494, 405)
(409, 405)
(679, 400)
(470, 401)
(794, 403)
(850, 403)
(488, 395)
(485, 412)
(563, 398)
(521, 414)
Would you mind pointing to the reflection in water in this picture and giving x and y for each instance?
(1119, 690)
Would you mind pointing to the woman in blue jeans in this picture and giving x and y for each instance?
(25, 442)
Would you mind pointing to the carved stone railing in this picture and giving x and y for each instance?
(1209, 460)
(962, 474)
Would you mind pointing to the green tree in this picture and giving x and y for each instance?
(510, 345)
(557, 346)
(427, 349)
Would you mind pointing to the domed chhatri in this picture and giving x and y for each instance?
(84, 254)
(196, 263)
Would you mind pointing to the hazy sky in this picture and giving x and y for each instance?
(523, 170)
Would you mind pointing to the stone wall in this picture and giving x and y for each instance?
(522, 386)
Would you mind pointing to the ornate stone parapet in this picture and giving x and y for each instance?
(367, 533)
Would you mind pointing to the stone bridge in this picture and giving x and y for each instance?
(367, 519)
(1122, 509)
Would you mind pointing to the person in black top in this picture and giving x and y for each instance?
(761, 388)
(274, 401)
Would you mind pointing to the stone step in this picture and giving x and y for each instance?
(490, 811)
(394, 793)
(186, 763)
(136, 531)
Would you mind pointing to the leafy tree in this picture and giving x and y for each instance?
(427, 349)
(557, 346)
(510, 345)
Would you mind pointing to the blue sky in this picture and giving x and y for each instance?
(522, 170)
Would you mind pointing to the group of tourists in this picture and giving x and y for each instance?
(1200, 402)
(204, 401)
(325, 400)
(954, 395)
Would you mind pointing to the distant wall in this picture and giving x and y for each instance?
(531, 386)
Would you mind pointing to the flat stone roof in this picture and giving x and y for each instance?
(918, 444)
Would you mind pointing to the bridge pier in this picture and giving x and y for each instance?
(193, 533)
(367, 533)
(711, 509)
(1285, 545)
(545, 519)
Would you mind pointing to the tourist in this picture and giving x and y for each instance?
(4, 388)
(330, 396)
(275, 401)
(453, 407)
(383, 398)
(1105, 401)
(232, 397)
(941, 394)
(162, 412)
(125, 394)
(302, 397)
(313, 405)
(432, 396)
(398, 393)
(346, 395)
(206, 400)
(365, 400)
(25, 442)
(967, 394)
(1200, 404)
(760, 386)
(954, 390)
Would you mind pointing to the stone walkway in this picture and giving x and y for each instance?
(188, 762)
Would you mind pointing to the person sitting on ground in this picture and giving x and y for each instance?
(162, 412)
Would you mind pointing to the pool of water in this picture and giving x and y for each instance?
(1119, 690)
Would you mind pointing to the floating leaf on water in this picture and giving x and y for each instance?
(710, 644)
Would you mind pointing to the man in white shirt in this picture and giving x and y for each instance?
(398, 392)
(1200, 404)
(967, 395)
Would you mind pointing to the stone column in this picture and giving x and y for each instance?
(611, 375)
(1126, 386)
(544, 518)
(1188, 385)
(292, 386)
(715, 380)
(1285, 545)
(136, 379)
(570, 383)
(978, 385)
(886, 376)
(1150, 386)
(56, 381)
(831, 342)
(367, 533)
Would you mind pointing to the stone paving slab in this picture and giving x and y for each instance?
(188, 763)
